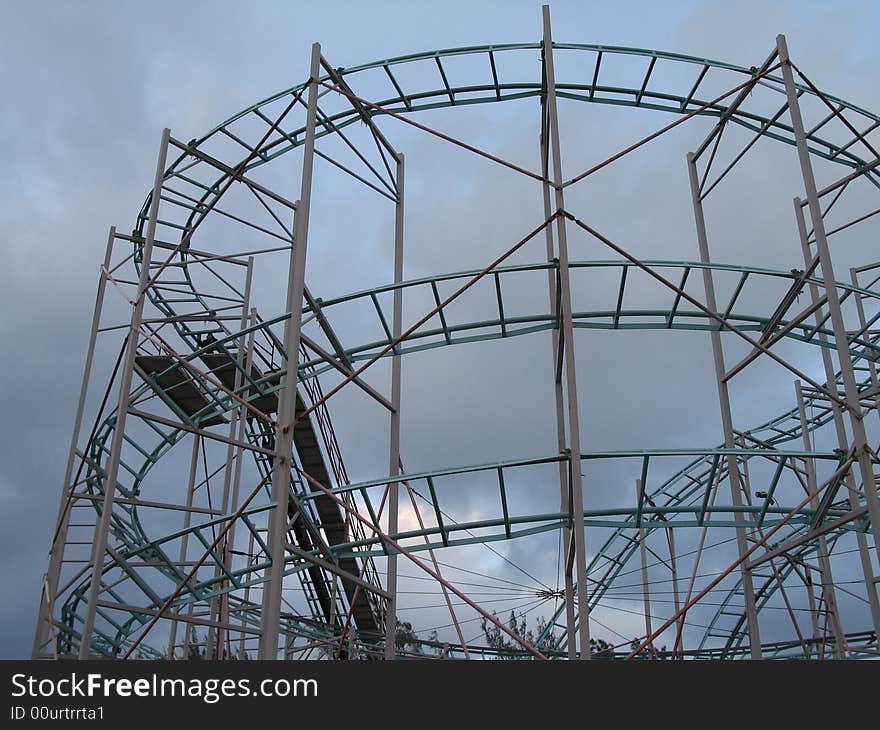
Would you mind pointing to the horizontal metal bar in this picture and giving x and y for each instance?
(811, 535)
(336, 570)
(146, 503)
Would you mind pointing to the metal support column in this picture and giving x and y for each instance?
(552, 280)
(850, 388)
(726, 418)
(860, 310)
(236, 479)
(646, 596)
(220, 604)
(246, 600)
(278, 522)
(184, 540)
(99, 543)
(840, 429)
(673, 568)
(566, 325)
(814, 613)
(825, 575)
(56, 549)
(394, 441)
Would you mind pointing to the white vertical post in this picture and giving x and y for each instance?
(564, 502)
(278, 520)
(99, 542)
(184, 540)
(577, 497)
(220, 605)
(670, 538)
(726, 418)
(822, 552)
(56, 549)
(394, 441)
(646, 596)
(839, 427)
(850, 388)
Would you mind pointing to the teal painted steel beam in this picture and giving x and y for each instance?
(126, 522)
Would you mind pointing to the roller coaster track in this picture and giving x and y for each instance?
(680, 501)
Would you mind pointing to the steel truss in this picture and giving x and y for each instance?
(264, 504)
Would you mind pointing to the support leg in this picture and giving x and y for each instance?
(394, 443)
(278, 518)
(726, 418)
(567, 333)
(102, 529)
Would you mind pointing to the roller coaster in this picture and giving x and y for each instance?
(207, 508)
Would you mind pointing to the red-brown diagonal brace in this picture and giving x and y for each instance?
(684, 609)
(199, 563)
(233, 176)
(396, 545)
(837, 112)
(672, 125)
(713, 315)
(437, 568)
(422, 127)
(391, 345)
(393, 543)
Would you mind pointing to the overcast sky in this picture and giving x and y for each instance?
(88, 87)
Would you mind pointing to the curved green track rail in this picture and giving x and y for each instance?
(678, 501)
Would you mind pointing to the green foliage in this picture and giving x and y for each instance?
(407, 641)
(601, 649)
(508, 648)
(405, 636)
(197, 649)
(646, 652)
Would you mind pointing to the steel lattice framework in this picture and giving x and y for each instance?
(146, 553)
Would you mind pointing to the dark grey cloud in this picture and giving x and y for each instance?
(88, 87)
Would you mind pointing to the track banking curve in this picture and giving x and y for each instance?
(676, 501)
